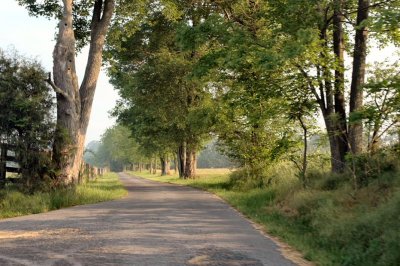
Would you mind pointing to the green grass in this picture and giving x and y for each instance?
(329, 224)
(14, 203)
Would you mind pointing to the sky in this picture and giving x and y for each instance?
(34, 38)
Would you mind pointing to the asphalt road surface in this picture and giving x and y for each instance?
(156, 224)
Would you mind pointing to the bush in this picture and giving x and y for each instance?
(368, 167)
(26, 117)
(263, 176)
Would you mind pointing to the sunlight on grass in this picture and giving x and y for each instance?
(14, 203)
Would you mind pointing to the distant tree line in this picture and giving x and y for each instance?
(118, 151)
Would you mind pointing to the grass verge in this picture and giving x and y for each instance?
(14, 203)
(330, 225)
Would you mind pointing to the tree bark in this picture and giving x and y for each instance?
(340, 124)
(155, 166)
(305, 149)
(181, 158)
(164, 165)
(167, 165)
(74, 103)
(190, 167)
(358, 76)
(175, 164)
(340, 110)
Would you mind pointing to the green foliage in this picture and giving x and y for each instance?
(162, 105)
(26, 117)
(115, 150)
(14, 203)
(329, 222)
(381, 110)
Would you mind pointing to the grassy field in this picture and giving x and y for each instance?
(329, 222)
(14, 203)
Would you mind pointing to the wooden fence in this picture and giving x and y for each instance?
(89, 172)
(9, 164)
(8, 161)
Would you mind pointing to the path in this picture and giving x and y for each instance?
(156, 224)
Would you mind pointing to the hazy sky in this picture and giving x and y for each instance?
(34, 38)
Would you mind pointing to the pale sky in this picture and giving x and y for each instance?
(34, 38)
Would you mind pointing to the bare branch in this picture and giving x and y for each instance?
(387, 128)
(57, 89)
(312, 87)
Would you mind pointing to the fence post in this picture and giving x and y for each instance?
(3, 164)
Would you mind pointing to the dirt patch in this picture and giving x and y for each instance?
(41, 233)
(17, 234)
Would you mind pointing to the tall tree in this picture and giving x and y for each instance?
(74, 101)
(308, 37)
(358, 75)
(164, 106)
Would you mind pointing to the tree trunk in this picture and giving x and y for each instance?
(331, 99)
(155, 166)
(167, 165)
(181, 158)
(190, 167)
(358, 76)
(163, 162)
(175, 162)
(340, 110)
(305, 149)
(338, 162)
(74, 103)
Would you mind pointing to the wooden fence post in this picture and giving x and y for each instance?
(3, 164)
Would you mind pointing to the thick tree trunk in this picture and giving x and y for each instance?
(165, 165)
(74, 103)
(340, 109)
(337, 159)
(339, 126)
(190, 167)
(68, 99)
(358, 76)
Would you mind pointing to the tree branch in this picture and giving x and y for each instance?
(57, 89)
(394, 122)
(312, 87)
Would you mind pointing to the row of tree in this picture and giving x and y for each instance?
(118, 151)
(254, 73)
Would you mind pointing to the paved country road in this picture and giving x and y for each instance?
(156, 224)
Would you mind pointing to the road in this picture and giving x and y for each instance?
(156, 224)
